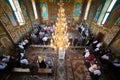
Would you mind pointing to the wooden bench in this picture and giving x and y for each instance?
(24, 70)
(44, 70)
(27, 70)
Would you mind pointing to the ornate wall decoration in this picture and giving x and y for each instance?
(44, 10)
(98, 12)
(96, 29)
(7, 9)
(7, 25)
(113, 17)
(77, 10)
(5, 41)
(116, 44)
(112, 33)
(24, 10)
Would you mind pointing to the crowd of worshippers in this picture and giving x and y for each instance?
(84, 33)
(7, 62)
(41, 34)
(96, 54)
(83, 29)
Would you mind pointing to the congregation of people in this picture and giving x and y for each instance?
(95, 52)
(96, 55)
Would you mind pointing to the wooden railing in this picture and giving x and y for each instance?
(48, 46)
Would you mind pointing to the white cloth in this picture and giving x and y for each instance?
(97, 72)
(24, 61)
(41, 33)
(6, 59)
(3, 65)
(23, 43)
(22, 55)
(95, 42)
(116, 64)
(93, 68)
(26, 41)
(21, 46)
(105, 57)
(99, 45)
(87, 54)
(96, 49)
(45, 38)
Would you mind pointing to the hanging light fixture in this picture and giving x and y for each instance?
(60, 37)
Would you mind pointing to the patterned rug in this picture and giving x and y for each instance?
(74, 66)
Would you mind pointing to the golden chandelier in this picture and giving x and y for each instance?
(60, 36)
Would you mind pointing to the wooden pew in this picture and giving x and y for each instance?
(44, 70)
(24, 70)
(27, 70)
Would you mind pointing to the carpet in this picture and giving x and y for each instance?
(74, 66)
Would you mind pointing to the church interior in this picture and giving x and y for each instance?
(60, 40)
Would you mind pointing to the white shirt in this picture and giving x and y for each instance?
(45, 38)
(41, 33)
(105, 57)
(87, 54)
(116, 64)
(26, 41)
(95, 42)
(24, 61)
(23, 43)
(21, 46)
(3, 65)
(96, 49)
(93, 68)
(22, 55)
(6, 59)
(99, 45)
(97, 72)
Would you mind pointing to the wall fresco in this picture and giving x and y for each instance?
(98, 12)
(44, 10)
(24, 10)
(4, 40)
(77, 10)
(114, 16)
(116, 44)
(9, 13)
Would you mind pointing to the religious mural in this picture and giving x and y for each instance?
(24, 10)
(44, 10)
(97, 14)
(77, 10)
(116, 43)
(8, 11)
(4, 40)
(114, 16)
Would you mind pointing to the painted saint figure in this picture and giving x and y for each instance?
(44, 11)
(77, 10)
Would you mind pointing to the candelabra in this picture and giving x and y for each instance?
(60, 37)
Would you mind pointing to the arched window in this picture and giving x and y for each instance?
(109, 4)
(34, 9)
(17, 11)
